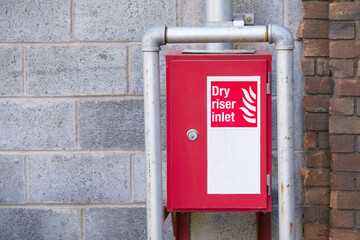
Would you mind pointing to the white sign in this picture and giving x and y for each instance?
(233, 135)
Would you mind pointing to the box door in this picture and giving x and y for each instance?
(224, 169)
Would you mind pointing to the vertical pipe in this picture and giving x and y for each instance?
(217, 11)
(153, 145)
(285, 13)
(285, 125)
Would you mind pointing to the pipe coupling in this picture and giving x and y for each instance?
(281, 36)
(153, 39)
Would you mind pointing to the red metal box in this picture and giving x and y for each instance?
(218, 132)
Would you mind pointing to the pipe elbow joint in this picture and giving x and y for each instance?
(281, 36)
(153, 39)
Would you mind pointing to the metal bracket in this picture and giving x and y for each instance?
(165, 213)
(181, 225)
(268, 183)
(268, 83)
(242, 19)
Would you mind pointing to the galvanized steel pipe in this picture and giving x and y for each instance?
(152, 140)
(285, 137)
(216, 34)
(282, 37)
(218, 12)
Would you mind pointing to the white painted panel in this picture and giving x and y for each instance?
(233, 153)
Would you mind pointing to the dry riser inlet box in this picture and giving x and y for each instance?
(218, 132)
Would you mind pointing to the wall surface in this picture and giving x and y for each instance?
(331, 33)
(72, 162)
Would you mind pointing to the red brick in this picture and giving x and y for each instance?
(300, 29)
(345, 162)
(316, 121)
(358, 183)
(342, 124)
(318, 85)
(316, 10)
(322, 67)
(313, 231)
(316, 103)
(344, 11)
(317, 158)
(341, 30)
(347, 87)
(342, 181)
(309, 214)
(314, 48)
(310, 140)
(358, 106)
(342, 67)
(317, 196)
(358, 144)
(358, 64)
(342, 143)
(341, 219)
(341, 106)
(316, 178)
(323, 140)
(342, 234)
(323, 214)
(357, 219)
(307, 66)
(344, 49)
(345, 200)
(314, 29)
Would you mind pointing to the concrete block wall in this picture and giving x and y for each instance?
(71, 116)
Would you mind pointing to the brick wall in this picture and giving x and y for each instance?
(344, 120)
(315, 66)
(330, 31)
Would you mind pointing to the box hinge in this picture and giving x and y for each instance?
(268, 184)
(268, 83)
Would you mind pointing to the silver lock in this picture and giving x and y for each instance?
(192, 134)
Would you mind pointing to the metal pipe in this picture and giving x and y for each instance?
(152, 141)
(218, 12)
(216, 34)
(284, 41)
(285, 124)
(152, 40)
(281, 36)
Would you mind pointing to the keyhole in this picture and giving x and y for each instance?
(192, 134)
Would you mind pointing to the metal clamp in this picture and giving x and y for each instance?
(242, 19)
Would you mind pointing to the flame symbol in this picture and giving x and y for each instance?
(250, 117)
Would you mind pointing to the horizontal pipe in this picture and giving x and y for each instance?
(216, 34)
(272, 33)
